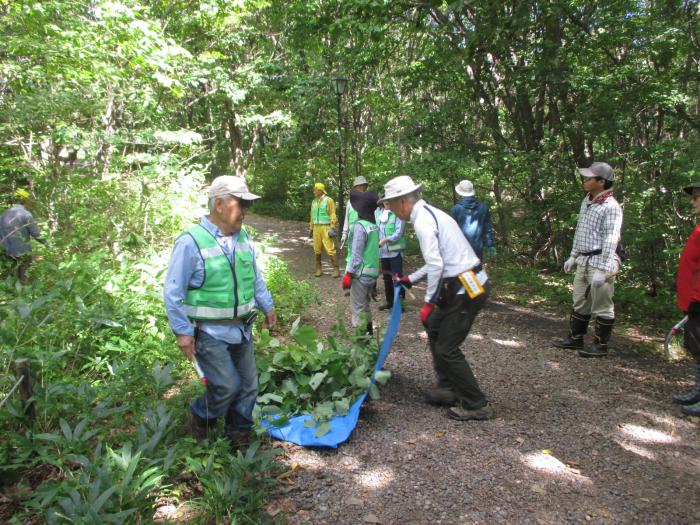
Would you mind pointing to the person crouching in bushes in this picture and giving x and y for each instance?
(362, 268)
(689, 302)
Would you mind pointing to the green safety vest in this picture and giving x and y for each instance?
(352, 219)
(389, 230)
(319, 211)
(228, 290)
(352, 216)
(370, 257)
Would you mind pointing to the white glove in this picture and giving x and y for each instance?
(570, 264)
(598, 279)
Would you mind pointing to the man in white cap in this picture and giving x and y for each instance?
(212, 288)
(474, 218)
(359, 184)
(457, 290)
(594, 256)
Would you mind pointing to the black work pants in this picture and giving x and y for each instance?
(691, 337)
(447, 328)
(390, 266)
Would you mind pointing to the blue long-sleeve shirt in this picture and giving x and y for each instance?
(16, 226)
(474, 219)
(186, 270)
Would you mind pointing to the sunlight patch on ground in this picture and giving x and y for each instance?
(548, 464)
(375, 479)
(507, 343)
(660, 419)
(647, 435)
(634, 449)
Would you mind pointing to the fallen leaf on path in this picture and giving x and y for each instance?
(371, 518)
(410, 441)
(547, 451)
(439, 434)
(520, 441)
(538, 489)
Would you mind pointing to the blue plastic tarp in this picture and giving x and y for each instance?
(294, 430)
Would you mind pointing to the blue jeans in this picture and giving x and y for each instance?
(232, 382)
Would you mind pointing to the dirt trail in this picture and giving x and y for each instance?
(574, 440)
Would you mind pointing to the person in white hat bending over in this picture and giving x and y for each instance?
(212, 288)
(594, 256)
(457, 290)
(474, 218)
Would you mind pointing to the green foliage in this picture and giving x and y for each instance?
(309, 376)
(234, 487)
(291, 296)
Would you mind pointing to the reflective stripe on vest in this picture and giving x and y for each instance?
(319, 211)
(228, 290)
(370, 257)
(352, 219)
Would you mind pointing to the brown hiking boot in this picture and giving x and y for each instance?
(459, 413)
(239, 439)
(441, 396)
(200, 427)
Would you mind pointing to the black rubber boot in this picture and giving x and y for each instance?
(603, 330)
(691, 410)
(692, 397)
(578, 326)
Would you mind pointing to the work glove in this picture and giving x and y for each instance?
(331, 232)
(347, 280)
(311, 233)
(570, 264)
(598, 279)
(492, 251)
(404, 280)
(425, 313)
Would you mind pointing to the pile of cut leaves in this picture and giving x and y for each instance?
(309, 376)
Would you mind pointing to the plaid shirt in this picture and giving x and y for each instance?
(598, 228)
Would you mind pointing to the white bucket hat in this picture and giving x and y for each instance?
(359, 180)
(231, 185)
(398, 187)
(465, 188)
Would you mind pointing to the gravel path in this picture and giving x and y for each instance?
(574, 440)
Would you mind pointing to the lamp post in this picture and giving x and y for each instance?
(340, 84)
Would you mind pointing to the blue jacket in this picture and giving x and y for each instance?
(474, 219)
